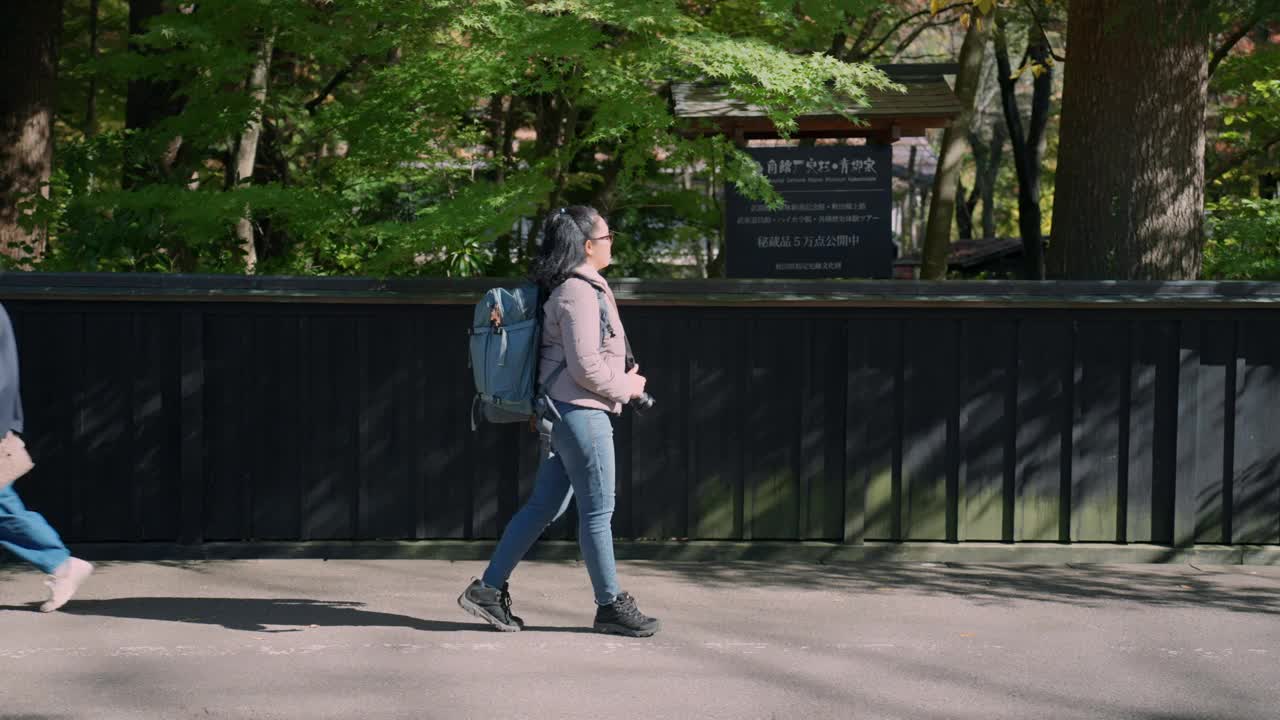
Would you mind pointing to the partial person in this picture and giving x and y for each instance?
(23, 532)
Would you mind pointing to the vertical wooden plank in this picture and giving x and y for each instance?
(930, 365)
(773, 425)
(659, 485)
(410, 413)
(509, 478)
(527, 464)
(875, 419)
(428, 457)
(677, 367)
(1101, 365)
(277, 489)
(1044, 348)
(372, 437)
(1217, 371)
(446, 392)
(822, 454)
(807, 443)
(192, 445)
(837, 370)
(229, 421)
(739, 442)
(1151, 343)
(1217, 354)
(1197, 513)
(386, 501)
(716, 487)
(155, 421)
(985, 426)
(1189, 443)
(107, 428)
(486, 469)
(330, 485)
(951, 496)
(50, 359)
(1256, 463)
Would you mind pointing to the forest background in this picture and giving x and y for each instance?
(429, 137)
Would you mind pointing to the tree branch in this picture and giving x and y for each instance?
(917, 32)
(1043, 35)
(1042, 87)
(1230, 41)
(898, 26)
(837, 45)
(333, 83)
(1008, 102)
(868, 27)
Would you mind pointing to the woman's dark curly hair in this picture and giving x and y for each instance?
(564, 239)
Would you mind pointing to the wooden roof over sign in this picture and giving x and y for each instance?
(927, 102)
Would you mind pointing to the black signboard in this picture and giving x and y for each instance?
(836, 221)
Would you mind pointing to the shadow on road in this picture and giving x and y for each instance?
(265, 615)
(1234, 589)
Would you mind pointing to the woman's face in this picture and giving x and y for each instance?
(600, 245)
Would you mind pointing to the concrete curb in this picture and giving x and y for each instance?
(700, 551)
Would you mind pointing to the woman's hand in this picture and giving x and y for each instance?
(637, 381)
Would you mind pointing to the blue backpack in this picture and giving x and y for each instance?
(505, 338)
(506, 330)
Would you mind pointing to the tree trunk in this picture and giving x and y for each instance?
(717, 192)
(1027, 146)
(247, 148)
(28, 78)
(965, 203)
(91, 104)
(1129, 199)
(908, 240)
(501, 132)
(147, 102)
(937, 236)
(992, 171)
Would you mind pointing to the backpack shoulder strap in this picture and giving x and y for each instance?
(606, 326)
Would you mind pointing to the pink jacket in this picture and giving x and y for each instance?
(595, 375)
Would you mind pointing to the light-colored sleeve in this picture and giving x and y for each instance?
(579, 312)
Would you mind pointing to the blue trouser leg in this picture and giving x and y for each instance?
(587, 442)
(551, 493)
(26, 534)
(581, 463)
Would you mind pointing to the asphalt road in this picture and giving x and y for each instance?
(384, 639)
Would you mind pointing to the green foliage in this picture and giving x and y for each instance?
(382, 146)
(1244, 240)
(1248, 138)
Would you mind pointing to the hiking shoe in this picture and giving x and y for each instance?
(64, 582)
(622, 617)
(491, 605)
(506, 604)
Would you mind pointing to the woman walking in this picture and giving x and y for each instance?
(582, 370)
(23, 532)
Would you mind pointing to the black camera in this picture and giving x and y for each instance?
(641, 402)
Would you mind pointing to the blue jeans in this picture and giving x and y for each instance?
(580, 463)
(26, 534)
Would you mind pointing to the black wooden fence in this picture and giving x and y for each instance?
(190, 409)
